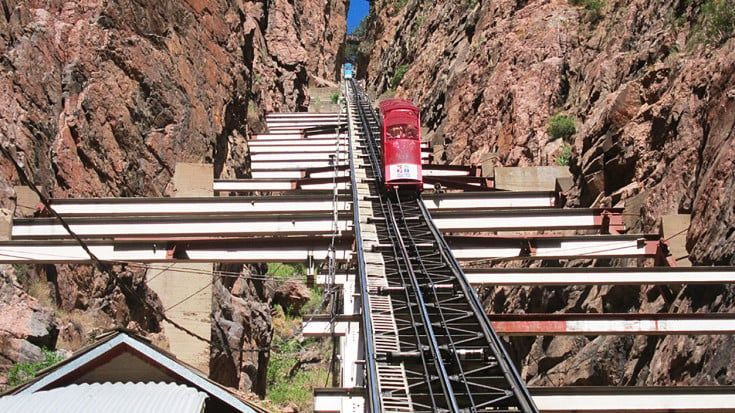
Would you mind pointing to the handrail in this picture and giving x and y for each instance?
(372, 395)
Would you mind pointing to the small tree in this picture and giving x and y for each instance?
(561, 127)
(718, 20)
(398, 76)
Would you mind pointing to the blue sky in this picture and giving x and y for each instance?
(358, 10)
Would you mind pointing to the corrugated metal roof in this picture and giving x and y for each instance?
(57, 375)
(109, 398)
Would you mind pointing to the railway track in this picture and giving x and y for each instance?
(434, 348)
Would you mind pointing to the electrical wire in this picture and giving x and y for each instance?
(102, 266)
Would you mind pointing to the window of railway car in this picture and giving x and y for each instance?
(402, 131)
(395, 131)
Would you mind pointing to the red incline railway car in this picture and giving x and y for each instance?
(401, 141)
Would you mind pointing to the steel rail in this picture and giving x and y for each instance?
(372, 393)
(395, 393)
(453, 346)
(503, 359)
(473, 376)
(404, 270)
(474, 384)
(373, 141)
(398, 240)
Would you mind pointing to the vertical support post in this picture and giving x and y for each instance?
(310, 272)
(185, 288)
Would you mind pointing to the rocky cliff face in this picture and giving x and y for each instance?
(241, 331)
(27, 324)
(103, 98)
(651, 87)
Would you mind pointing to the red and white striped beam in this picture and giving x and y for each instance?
(612, 324)
(581, 324)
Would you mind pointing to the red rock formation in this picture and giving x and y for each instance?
(27, 325)
(292, 295)
(322, 32)
(104, 98)
(653, 100)
(242, 319)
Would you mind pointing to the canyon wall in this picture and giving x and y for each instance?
(650, 86)
(102, 98)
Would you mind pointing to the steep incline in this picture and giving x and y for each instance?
(651, 87)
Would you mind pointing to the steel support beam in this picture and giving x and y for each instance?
(280, 174)
(300, 156)
(679, 399)
(675, 399)
(287, 224)
(255, 250)
(449, 170)
(468, 248)
(295, 128)
(325, 326)
(528, 219)
(489, 200)
(600, 276)
(287, 204)
(287, 115)
(296, 165)
(297, 148)
(321, 141)
(613, 324)
(248, 185)
(276, 136)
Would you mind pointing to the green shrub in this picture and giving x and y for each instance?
(594, 7)
(286, 385)
(566, 153)
(315, 303)
(280, 270)
(560, 127)
(288, 380)
(480, 41)
(25, 371)
(718, 20)
(398, 76)
(334, 97)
